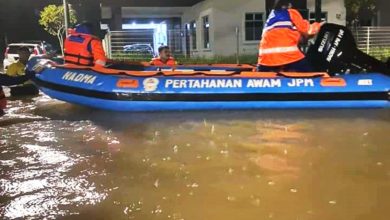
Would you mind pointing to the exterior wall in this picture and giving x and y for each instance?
(152, 12)
(383, 14)
(335, 9)
(226, 16)
(116, 16)
(196, 13)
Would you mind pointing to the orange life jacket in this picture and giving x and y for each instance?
(281, 36)
(158, 62)
(3, 100)
(78, 50)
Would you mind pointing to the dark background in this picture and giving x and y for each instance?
(19, 19)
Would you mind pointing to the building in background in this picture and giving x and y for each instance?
(190, 27)
(205, 28)
(383, 16)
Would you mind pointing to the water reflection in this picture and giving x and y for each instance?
(40, 178)
(80, 163)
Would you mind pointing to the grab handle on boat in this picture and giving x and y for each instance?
(303, 75)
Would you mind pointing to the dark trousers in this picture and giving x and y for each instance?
(299, 66)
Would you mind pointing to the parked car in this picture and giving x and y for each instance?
(36, 48)
(143, 49)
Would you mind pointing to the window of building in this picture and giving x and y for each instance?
(324, 16)
(206, 32)
(192, 28)
(254, 24)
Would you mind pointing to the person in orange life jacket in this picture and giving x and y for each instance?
(165, 57)
(278, 50)
(83, 48)
(6, 80)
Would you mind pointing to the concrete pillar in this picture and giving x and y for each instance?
(116, 20)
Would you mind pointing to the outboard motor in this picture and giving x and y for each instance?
(335, 51)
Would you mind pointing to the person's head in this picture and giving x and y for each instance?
(283, 4)
(164, 52)
(24, 54)
(84, 28)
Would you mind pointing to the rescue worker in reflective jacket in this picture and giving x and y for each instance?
(282, 33)
(83, 48)
(165, 57)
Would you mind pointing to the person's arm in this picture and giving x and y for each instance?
(99, 56)
(303, 25)
(6, 80)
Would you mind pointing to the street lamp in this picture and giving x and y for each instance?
(66, 16)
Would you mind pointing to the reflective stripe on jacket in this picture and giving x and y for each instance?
(281, 36)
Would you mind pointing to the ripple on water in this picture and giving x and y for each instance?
(211, 166)
(38, 177)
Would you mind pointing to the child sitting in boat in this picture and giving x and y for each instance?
(165, 57)
(18, 69)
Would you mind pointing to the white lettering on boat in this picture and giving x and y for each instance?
(323, 42)
(301, 83)
(203, 83)
(79, 77)
(335, 45)
(264, 83)
(235, 83)
(365, 82)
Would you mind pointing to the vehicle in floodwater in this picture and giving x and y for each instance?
(345, 78)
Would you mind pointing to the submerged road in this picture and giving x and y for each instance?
(63, 161)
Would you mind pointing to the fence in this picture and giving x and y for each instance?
(142, 44)
(373, 40)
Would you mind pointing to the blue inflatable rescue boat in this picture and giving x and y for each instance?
(120, 90)
(129, 87)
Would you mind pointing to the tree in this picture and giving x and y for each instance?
(358, 9)
(52, 20)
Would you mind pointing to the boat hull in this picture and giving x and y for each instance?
(124, 92)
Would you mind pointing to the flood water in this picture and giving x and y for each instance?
(60, 161)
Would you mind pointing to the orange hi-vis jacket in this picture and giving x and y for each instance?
(84, 49)
(281, 36)
(158, 62)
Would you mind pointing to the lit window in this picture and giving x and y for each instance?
(206, 32)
